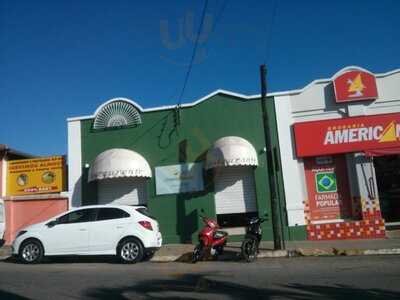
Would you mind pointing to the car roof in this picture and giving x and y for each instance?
(129, 207)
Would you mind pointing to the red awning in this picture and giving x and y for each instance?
(382, 152)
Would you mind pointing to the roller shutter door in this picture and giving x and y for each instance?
(126, 191)
(234, 190)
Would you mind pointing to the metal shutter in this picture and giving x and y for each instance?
(234, 190)
(127, 191)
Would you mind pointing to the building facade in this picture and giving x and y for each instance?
(334, 162)
(340, 142)
(6, 154)
(208, 155)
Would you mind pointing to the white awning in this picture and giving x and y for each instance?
(231, 151)
(116, 163)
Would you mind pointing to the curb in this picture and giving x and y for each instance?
(6, 253)
(382, 251)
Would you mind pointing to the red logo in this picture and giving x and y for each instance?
(354, 86)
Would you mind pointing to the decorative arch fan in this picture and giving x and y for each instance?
(118, 113)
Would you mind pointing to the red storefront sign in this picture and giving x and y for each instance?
(354, 134)
(327, 188)
(355, 85)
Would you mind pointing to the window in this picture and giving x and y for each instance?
(144, 211)
(78, 216)
(111, 213)
(235, 220)
(117, 114)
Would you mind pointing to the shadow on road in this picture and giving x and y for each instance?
(197, 286)
(68, 260)
(11, 296)
(228, 255)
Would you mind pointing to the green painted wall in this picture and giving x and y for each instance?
(162, 142)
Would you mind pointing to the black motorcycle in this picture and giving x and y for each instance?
(252, 239)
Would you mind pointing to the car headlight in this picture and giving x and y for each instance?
(21, 233)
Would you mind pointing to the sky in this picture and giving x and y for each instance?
(61, 59)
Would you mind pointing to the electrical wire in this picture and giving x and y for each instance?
(193, 53)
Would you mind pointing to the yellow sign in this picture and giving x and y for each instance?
(35, 176)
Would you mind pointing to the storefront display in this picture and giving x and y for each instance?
(329, 131)
(328, 189)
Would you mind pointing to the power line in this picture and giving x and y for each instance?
(194, 52)
(269, 31)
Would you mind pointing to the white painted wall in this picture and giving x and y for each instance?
(292, 171)
(74, 163)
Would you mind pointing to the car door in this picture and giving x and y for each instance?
(70, 234)
(105, 232)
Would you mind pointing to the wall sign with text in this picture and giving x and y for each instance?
(35, 176)
(182, 178)
(347, 135)
(327, 188)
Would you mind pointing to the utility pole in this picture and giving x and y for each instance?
(276, 222)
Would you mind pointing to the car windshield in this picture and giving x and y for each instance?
(144, 211)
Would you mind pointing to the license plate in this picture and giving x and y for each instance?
(159, 239)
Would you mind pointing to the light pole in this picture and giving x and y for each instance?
(275, 214)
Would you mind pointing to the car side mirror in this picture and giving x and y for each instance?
(52, 223)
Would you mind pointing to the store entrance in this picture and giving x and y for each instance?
(387, 170)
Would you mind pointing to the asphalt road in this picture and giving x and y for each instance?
(362, 277)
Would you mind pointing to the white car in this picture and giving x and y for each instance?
(126, 231)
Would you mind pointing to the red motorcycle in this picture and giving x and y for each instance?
(210, 239)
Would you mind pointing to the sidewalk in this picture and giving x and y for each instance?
(182, 252)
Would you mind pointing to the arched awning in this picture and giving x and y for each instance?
(116, 163)
(231, 151)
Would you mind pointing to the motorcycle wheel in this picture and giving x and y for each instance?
(197, 253)
(249, 249)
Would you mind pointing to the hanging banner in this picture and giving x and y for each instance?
(327, 187)
(354, 86)
(35, 176)
(347, 135)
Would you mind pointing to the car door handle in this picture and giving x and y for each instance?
(82, 229)
(120, 227)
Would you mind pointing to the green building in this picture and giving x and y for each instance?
(178, 160)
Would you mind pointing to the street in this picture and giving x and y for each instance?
(355, 277)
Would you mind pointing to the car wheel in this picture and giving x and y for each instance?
(130, 251)
(31, 252)
(149, 255)
(249, 249)
(198, 253)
